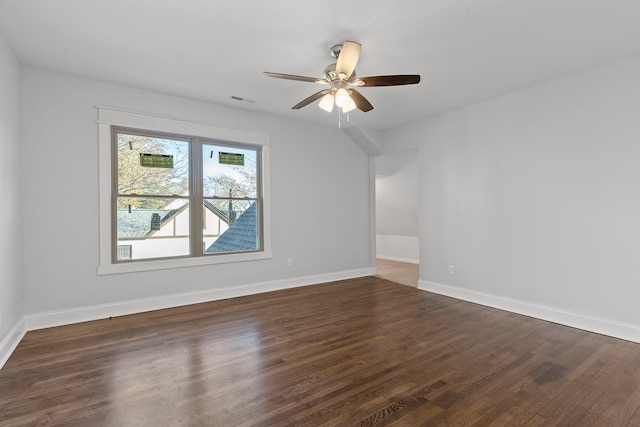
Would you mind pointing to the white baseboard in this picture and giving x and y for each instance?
(11, 341)
(104, 311)
(607, 327)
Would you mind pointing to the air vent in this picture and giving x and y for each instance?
(239, 98)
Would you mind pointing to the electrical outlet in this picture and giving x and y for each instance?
(452, 270)
(289, 262)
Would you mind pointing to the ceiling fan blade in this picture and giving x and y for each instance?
(404, 79)
(360, 101)
(294, 77)
(348, 58)
(310, 99)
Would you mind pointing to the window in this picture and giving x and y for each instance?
(160, 178)
(180, 194)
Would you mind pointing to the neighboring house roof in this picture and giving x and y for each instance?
(137, 223)
(242, 237)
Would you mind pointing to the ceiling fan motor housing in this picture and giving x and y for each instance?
(331, 76)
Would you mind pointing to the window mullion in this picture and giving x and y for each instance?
(197, 214)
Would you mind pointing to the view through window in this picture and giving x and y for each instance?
(184, 196)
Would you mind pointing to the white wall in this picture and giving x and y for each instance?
(11, 290)
(315, 171)
(534, 197)
(397, 204)
(398, 248)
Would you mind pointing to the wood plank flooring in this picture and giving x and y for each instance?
(361, 352)
(399, 272)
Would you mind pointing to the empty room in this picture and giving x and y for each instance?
(335, 214)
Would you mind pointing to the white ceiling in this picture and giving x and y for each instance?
(465, 50)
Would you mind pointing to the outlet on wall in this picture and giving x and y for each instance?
(289, 262)
(452, 270)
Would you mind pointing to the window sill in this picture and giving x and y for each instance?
(134, 267)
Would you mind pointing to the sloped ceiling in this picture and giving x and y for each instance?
(465, 50)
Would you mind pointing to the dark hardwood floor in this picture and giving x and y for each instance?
(362, 352)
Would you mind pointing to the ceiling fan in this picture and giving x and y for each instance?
(342, 81)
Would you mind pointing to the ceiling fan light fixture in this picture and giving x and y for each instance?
(349, 107)
(342, 97)
(326, 103)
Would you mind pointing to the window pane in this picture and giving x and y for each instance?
(152, 166)
(152, 227)
(231, 226)
(229, 171)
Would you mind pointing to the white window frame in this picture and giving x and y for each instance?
(108, 117)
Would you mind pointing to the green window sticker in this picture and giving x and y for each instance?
(156, 160)
(231, 159)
